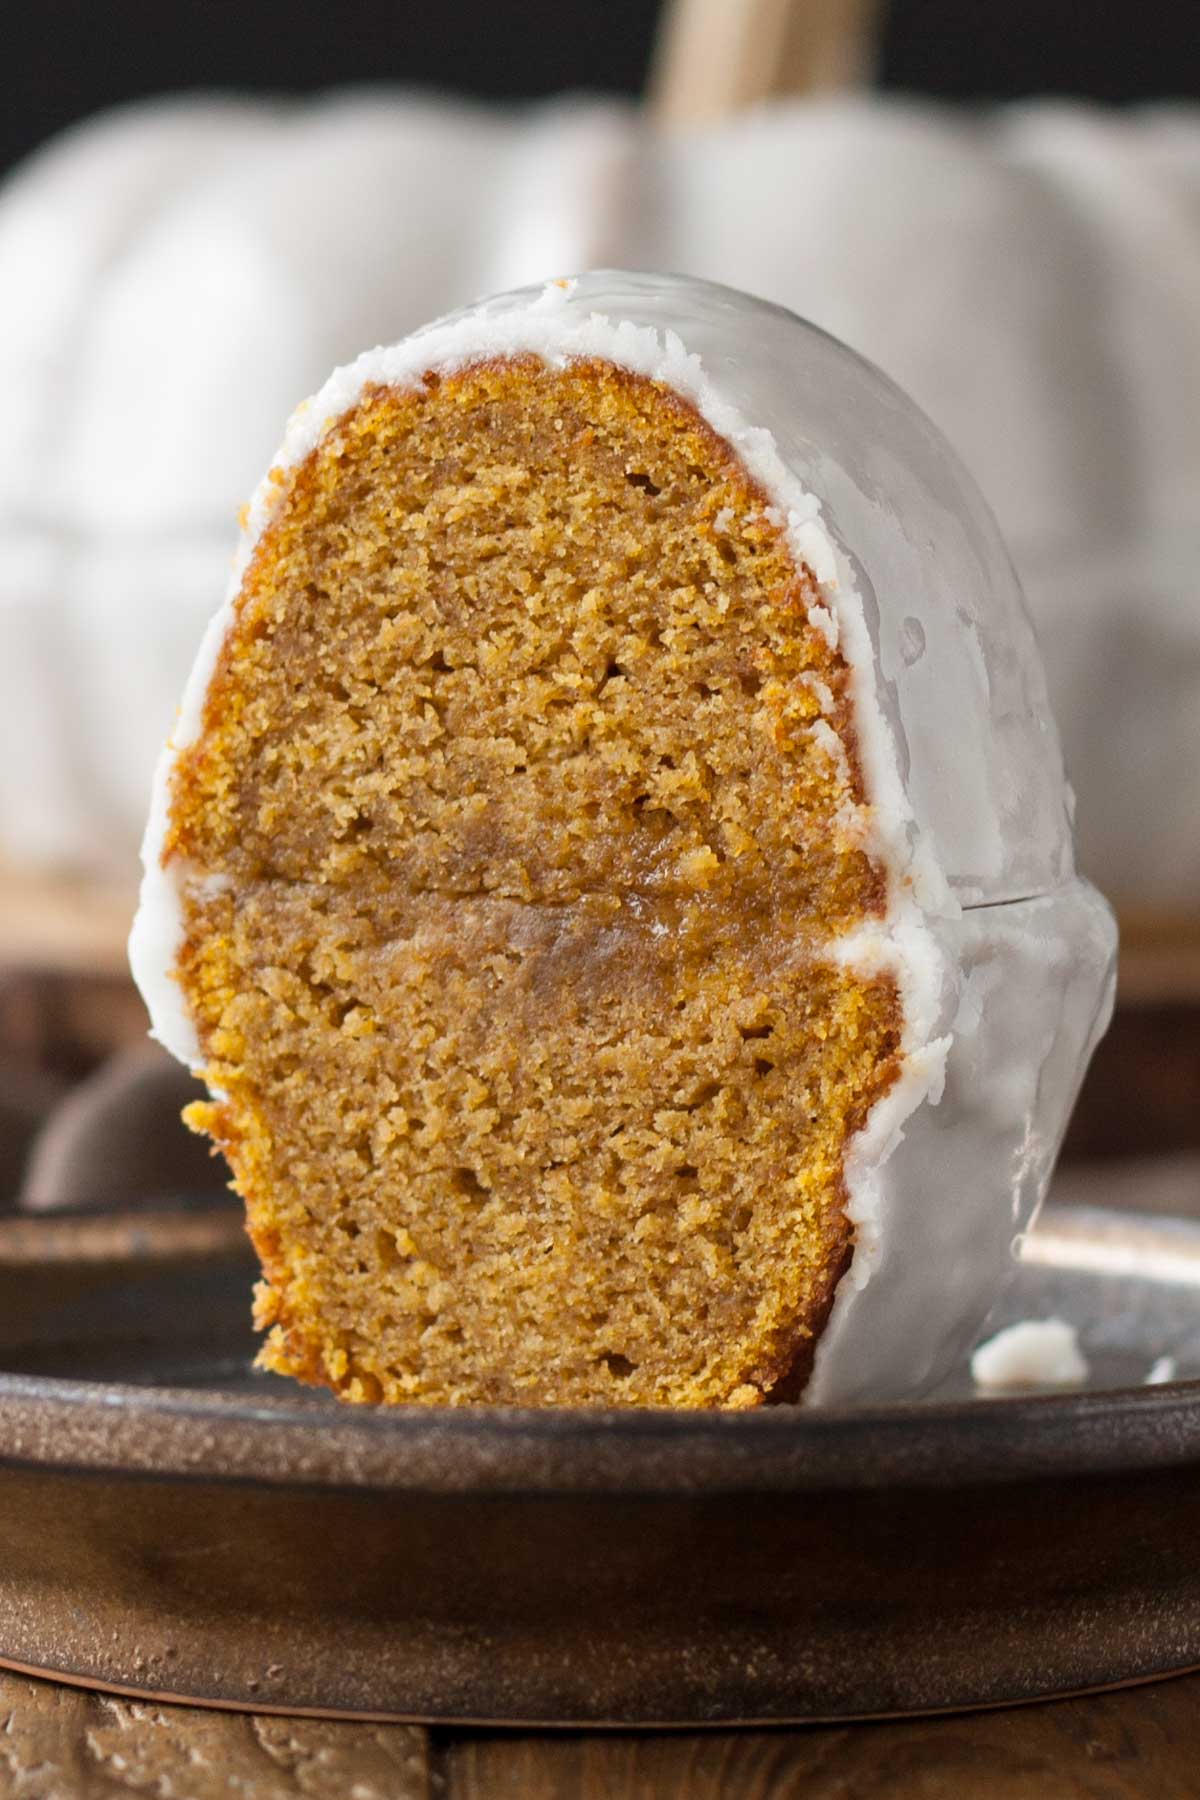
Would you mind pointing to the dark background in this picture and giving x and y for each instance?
(65, 58)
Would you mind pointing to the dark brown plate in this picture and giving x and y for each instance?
(173, 1523)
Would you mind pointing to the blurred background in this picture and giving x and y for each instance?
(68, 58)
(205, 208)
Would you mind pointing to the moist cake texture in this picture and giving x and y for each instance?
(528, 806)
(612, 866)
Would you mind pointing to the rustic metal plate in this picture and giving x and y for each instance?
(173, 1523)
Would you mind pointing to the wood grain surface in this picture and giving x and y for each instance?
(59, 1743)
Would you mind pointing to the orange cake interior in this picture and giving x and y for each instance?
(524, 813)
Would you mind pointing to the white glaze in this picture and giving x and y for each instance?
(960, 761)
(1029, 990)
(1035, 1353)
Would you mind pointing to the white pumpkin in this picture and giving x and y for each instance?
(173, 278)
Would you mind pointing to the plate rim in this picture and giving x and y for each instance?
(503, 1722)
(112, 1428)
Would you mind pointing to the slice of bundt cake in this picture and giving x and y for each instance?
(534, 884)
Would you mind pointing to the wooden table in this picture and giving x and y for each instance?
(60, 1743)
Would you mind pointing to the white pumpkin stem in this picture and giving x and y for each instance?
(715, 57)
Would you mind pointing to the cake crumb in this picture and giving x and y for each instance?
(513, 871)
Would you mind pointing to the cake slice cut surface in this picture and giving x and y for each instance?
(522, 859)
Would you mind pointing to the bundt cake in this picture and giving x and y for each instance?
(581, 864)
